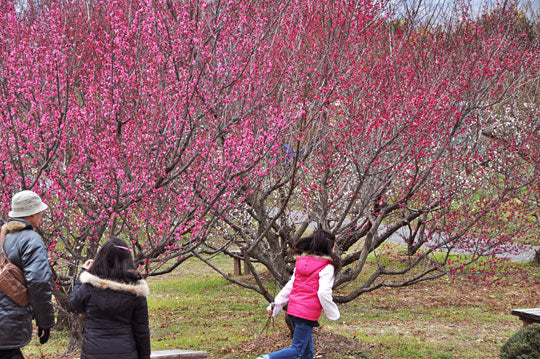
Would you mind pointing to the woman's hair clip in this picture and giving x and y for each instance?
(124, 248)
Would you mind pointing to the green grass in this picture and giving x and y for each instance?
(198, 310)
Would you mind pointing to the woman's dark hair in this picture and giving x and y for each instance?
(320, 243)
(114, 261)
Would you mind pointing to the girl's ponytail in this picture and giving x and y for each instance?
(319, 243)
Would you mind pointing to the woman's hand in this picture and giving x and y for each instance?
(88, 264)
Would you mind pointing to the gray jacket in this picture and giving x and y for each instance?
(25, 248)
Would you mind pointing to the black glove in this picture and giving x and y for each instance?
(43, 335)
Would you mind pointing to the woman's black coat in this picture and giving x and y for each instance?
(116, 318)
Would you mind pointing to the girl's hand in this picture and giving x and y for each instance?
(88, 264)
(270, 312)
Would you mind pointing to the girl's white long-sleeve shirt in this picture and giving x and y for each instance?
(326, 282)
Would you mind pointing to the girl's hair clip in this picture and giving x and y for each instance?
(124, 248)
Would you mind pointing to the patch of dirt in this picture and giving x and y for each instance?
(59, 355)
(326, 344)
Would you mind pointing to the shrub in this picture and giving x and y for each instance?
(525, 344)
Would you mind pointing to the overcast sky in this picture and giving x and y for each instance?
(476, 4)
(444, 7)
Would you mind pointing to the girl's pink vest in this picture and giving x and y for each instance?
(303, 300)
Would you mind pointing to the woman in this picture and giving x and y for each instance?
(112, 296)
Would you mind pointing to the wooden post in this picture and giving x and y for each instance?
(238, 257)
(237, 266)
(237, 263)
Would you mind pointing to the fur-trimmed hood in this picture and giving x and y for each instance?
(140, 288)
(17, 225)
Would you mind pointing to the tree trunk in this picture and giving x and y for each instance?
(74, 322)
(76, 328)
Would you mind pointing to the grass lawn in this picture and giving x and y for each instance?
(194, 308)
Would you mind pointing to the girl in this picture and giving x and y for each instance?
(308, 292)
(112, 295)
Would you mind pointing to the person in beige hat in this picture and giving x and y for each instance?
(28, 206)
(25, 248)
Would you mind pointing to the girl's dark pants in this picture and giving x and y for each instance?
(11, 354)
